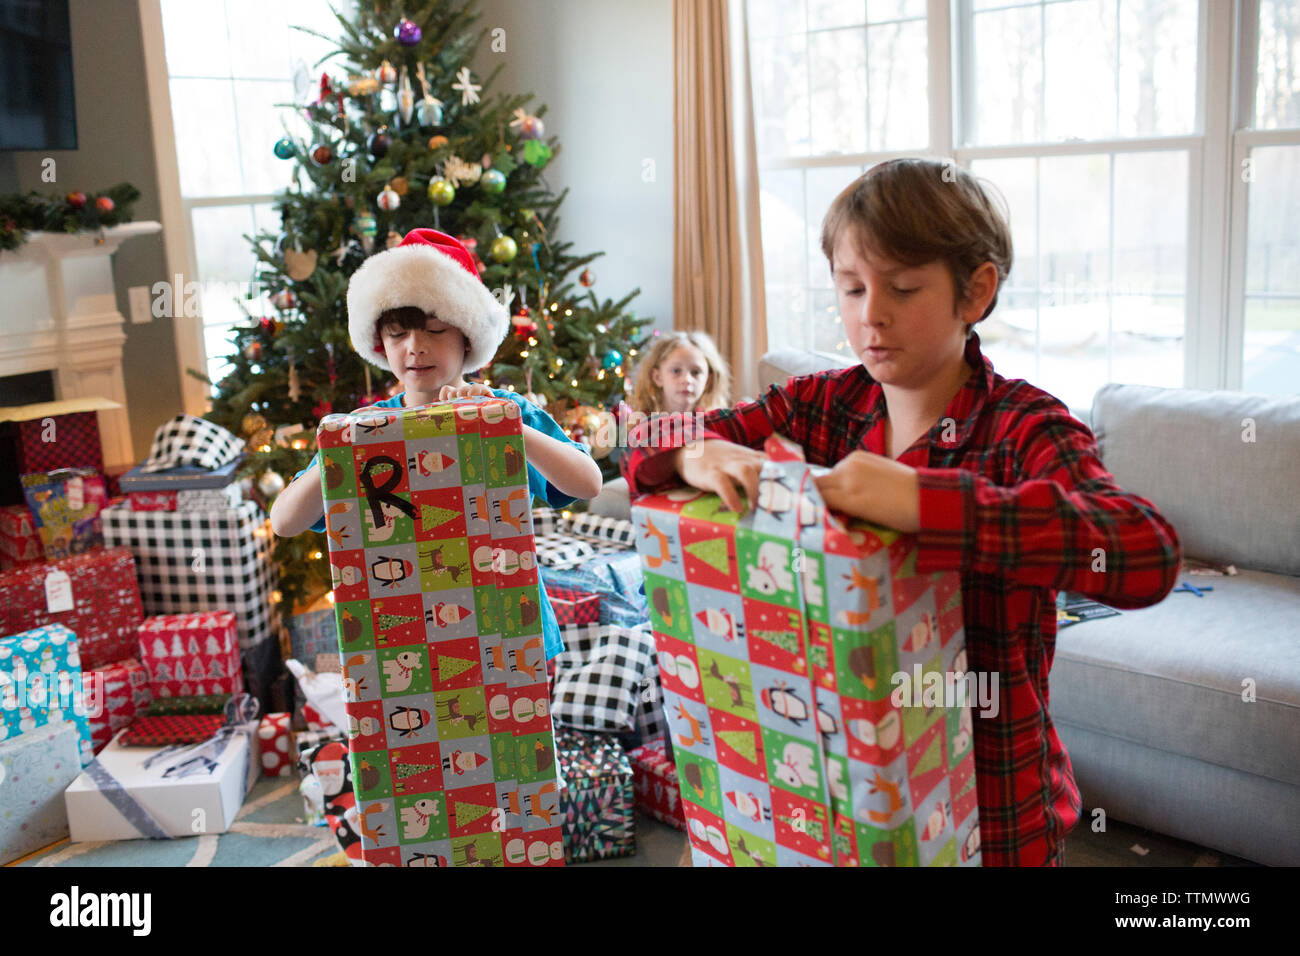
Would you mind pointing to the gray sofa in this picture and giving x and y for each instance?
(1152, 705)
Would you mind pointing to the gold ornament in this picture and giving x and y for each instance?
(399, 185)
(437, 142)
(251, 423)
(298, 264)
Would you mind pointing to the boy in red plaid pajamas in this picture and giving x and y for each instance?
(994, 476)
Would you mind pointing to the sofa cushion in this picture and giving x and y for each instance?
(778, 365)
(1171, 676)
(1231, 500)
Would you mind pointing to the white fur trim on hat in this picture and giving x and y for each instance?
(421, 276)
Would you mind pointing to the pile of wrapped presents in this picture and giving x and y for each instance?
(729, 676)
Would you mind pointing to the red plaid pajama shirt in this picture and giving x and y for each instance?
(1017, 501)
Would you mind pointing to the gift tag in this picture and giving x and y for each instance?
(58, 592)
(76, 493)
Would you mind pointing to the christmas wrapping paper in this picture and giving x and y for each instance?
(189, 655)
(574, 607)
(313, 641)
(273, 741)
(654, 778)
(115, 694)
(182, 477)
(304, 740)
(205, 704)
(152, 500)
(597, 801)
(130, 793)
(205, 561)
(615, 577)
(328, 793)
(47, 436)
(35, 768)
(95, 595)
(41, 684)
(782, 637)
(186, 499)
(19, 542)
(440, 633)
(171, 729)
(314, 719)
(65, 507)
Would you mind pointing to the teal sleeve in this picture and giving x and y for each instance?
(533, 416)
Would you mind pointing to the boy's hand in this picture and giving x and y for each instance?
(449, 393)
(875, 488)
(721, 467)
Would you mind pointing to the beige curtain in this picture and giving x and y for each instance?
(717, 256)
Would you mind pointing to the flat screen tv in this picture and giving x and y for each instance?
(37, 108)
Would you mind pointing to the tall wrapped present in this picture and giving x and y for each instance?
(65, 507)
(115, 694)
(794, 651)
(35, 768)
(46, 436)
(440, 634)
(19, 542)
(95, 595)
(597, 802)
(654, 778)
(191, 655)
(207, 561)
(41, 684)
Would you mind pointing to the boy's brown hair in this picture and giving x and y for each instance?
(406, 318)
(916, 211)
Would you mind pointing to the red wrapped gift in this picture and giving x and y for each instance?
(572, 606)
(152, 500)
(273, 736)
(95, 595)
(189, 655)
(172, 729)
(115, 694)
(20, 543)
(314, 719)
(654, 779)
(53, 435)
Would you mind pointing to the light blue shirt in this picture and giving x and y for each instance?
(537, 484)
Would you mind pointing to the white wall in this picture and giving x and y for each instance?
(605, 71)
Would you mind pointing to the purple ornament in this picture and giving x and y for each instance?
(408, 33)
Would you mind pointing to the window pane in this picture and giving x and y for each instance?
(775, 18)
(826, 327)
(779, 76)
(878, 10)
(1079, 95)
(823, 185)
(781, 210)
(259, 31)
(261, 123)
(207, 142)
(823, 14)
(1010, 334)
(318, 16)
(195, 38)
(899, 95)
(1277, 88)
(221, 252)
(1271, 359)
(837, 62)
(1157, 68)
(1007, 71)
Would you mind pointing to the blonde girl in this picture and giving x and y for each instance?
(681, 372)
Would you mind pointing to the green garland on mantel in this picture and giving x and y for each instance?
(71, 213)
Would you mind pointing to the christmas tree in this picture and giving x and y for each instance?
(403, 136)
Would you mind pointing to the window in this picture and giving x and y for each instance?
(229, 62)
(1104, 124)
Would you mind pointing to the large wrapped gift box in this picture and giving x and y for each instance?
(95, 595)
(156, 792)
(654, 777)
(440, 631)
(208, 561)
(35, 768)
(19, 542)
(115, 694)
(191, 655)
(41, 684)
(782, 637)
(597, 801)
(46, 436)
(65, 505)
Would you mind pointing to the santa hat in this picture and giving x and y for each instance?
(432, 271)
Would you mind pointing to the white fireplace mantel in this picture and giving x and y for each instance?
(60, 315)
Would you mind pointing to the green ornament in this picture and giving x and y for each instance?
(504, 249)
(284, 148)
(493, 181)
(441, 192)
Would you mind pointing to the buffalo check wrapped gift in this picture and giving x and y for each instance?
(46, 436)
(95, 595)
(41, 684)
(781, 638)
(440, 635)
(191, 561)
(191, 655)
(574, 607)
(601, 676)
(35, 767)
(598, 803)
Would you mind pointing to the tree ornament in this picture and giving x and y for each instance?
(253, 351)
(399, 185)
(588, 278)
(298, 264)
(321, 154)
(441, 192)
(268, 325)
(467, 89)
(437, 142)
(270, 484)
(527, 126)
(379, 143)
(407, 32)
(504, 249)
(284, 148)
(295, 384)
(104, 205)
(405, 99)
(461, 173)
(251, 422)
(284, 300)
(494, 182)
(386, 74)
(389, 200)
(485, 161)
(362, 85)
(429, 113)
(613, 359)
(77, 200)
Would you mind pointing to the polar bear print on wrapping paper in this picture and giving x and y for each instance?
(772, 572)
(417, 817)
(795, 768)
(776, 497)
(399, 671)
